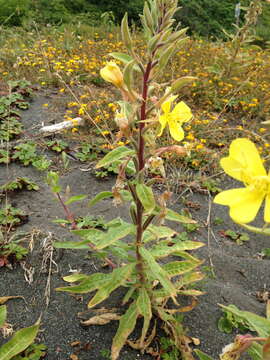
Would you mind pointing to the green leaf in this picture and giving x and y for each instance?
(144, 308)
(126, 326)
(160, 250)
(125, 32)
(158, 273)
(73, 199)
(19, 342)
(116, 154)
(125, 58)
(75, 277)
(179, 267)
(116, 279)
(174, 216)
(3, 315)
(179, 83)
(255, 351)
(146, 197)
(224, 325)
(202, 355)
(128, 75)
(93, 282)
(72, 245)
(257, 323)
(114, 234)
(154, 232)
(102, 195)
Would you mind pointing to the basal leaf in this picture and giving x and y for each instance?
(19, 342)
(126, 326)
(3, 315)
(93, 282)
(159, 273)
(116, 279)
(116, 154)
(179, 267)
(146, 197)
(102, 195)
(113, 234)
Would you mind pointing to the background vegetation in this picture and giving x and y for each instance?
(203, 17)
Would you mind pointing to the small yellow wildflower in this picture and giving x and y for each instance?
(181, 113)
(244, 164)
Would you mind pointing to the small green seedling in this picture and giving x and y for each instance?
(239, 238)
(19, 183)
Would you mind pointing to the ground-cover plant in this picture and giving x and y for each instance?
(20, 346)
(152, 286)
(27, 155)
(19, 183)
(11, 217)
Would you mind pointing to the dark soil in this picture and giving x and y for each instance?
(234, 274)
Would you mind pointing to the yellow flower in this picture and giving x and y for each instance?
(112, 74)
(175, 118)
(244, 164)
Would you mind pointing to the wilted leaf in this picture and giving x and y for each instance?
(101, 319)
(126, 326)
(4, 299)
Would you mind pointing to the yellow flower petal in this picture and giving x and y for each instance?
(176, 131)
(267, 209)
(112, 73)
(244, 203)
(243, 161)
(166, 105)
(163, 122)
(182, 112)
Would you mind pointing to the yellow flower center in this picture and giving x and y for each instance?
(261, 183)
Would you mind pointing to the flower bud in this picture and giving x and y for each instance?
(112, 73)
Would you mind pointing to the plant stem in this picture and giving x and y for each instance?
(141, 163)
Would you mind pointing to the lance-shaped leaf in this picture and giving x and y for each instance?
(82, 245)
(101, 196)
(75, 198)
(179, 267)
(114, 234)
(126, 37)
(116, 154)
(160, 250)
(146, 197)
(126, 326)
(125, 58)
(158, 273)
(157, 232)
(179, 83)
(116, 279)
(75, 277)
(256, 323)
(174, 216)
(144, 308)
(202, 356)
(3, 315)
(19, 342)
(128, 75)
(91, 283)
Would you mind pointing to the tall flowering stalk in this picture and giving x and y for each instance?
(142, 117)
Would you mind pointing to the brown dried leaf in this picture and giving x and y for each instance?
(74, 357)
(4, 299)
(101, 319)
(75, 343)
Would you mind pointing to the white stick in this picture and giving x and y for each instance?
(69, 124)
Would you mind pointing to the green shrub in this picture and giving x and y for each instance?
(13, 11)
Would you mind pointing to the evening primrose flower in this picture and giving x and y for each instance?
(181, 113)
(244, 164)
(112, 73)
